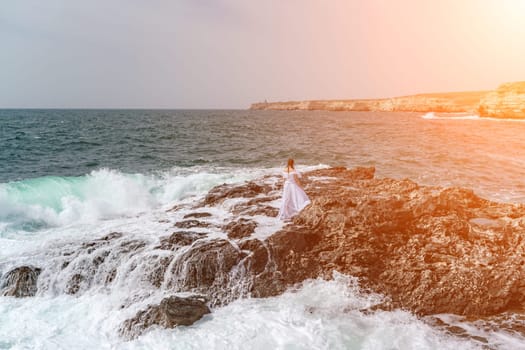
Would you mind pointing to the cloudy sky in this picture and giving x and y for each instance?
(229, 53)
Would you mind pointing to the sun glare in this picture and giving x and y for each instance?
(513, 12)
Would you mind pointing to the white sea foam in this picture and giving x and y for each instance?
(462, 116)
(34, 204)
(318, 315)
(450, 116)
(104, 194)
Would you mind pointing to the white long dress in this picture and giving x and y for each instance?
(294, 198)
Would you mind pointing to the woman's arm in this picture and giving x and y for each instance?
(297, 180)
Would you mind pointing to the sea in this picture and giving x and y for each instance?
(71, 176)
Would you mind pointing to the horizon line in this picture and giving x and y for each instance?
(122, 108)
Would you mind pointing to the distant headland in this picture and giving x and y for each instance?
(507, 101)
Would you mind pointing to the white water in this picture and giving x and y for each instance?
(103, 194)
(319, 315)
(463, 116)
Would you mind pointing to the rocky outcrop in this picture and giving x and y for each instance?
(431, 250)
(20, 282)
(428, 249)
(508, 101)
(454, 102)
(171, 312)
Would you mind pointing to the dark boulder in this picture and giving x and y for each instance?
(191, 224)
(171, 312)
(197, 215)
(20, 282)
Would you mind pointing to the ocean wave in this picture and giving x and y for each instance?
(432, 115)
(103, 194)
(460, 116)
(52, 201)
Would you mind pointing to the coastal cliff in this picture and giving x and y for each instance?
(508, 101)
(427, 249)
(453, 102)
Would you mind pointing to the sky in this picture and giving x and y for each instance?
(231, 53)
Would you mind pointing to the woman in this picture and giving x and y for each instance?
(294, 197)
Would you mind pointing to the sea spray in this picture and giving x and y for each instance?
(34, 204)
(318, 314)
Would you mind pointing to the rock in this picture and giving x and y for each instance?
(425, 248)
(20, 282)
(205, 269)
(264, 210)
(197, 215)
(99, 242)
(259, 258)
(179, 239)
(156, 277)
(257, 206)
(247, 190)
(134, 246)
(191, 224)
(177, 207)
(93, 262)
(110, 236)
(171, 312)
(240, 228)
(74, 283)
(508, 101)
(415, 244)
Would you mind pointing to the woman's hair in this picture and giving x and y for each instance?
(290, 163)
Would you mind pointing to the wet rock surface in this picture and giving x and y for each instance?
(197, 215)
(192, 223)
(240, 228)
(179, 239)
(431, 250)
(96, 263)
(206, 269)
(171, 312)
(227, 191)
(20, 282)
